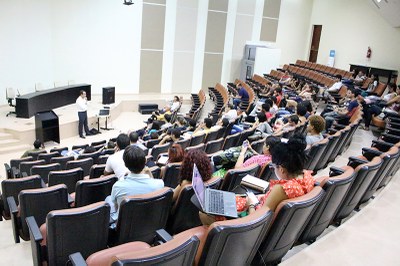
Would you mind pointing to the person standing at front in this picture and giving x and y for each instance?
(81, 104)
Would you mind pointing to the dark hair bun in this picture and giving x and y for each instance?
(297, 143)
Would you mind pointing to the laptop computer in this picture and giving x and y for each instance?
(104, 112)
(213, 201)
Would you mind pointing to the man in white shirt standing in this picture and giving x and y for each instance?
(81, 104)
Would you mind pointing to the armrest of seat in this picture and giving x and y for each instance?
(354, 161)
(8, 170)
(36, 237)
(70, 199)
(390, 138)
(382, 145)
(162, 236)
(76, 259)
(370, 153)
(339, 126)
(15, 173)
(334, 171)
(14, 217)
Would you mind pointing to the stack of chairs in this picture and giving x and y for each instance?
(198, 101)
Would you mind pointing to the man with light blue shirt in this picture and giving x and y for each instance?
(135, 183)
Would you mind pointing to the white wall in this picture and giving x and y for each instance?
(349, 27)
(294, 30)
(25, 46)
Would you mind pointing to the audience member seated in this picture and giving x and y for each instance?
(204, 127)
(37, 144)
(293, 181)
(222, 123)
(293, 120)
(135, 183)
(115, 163)
(285, 79)
(301, 112)
(324, 91)
(359, 79)
(176, 103)
(373, 105)
(260, 159)
(202, 162)
(180, 123)
(263, 129)
(172, 135)
(230, 113)
(343, 114)
(242, 156)
(242, 96)
(316, 124)
(375, 81)
(134, 140)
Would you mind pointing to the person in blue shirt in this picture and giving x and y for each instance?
(242, 95)
(138, 181)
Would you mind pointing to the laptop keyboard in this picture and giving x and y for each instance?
(216, 201)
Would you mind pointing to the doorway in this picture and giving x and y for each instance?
(316, 35)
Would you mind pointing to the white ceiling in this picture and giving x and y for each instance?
(389, 10)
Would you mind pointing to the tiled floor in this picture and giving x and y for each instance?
(369, 237)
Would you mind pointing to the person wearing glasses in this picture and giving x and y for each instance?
(288, 159)
(292, 180)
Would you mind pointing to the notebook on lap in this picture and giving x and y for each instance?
(213, 201)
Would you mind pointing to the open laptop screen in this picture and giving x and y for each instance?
(198, 185)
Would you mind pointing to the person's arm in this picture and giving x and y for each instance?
(276, 196)
(240, 159)
(393, 100)
(165, 140)
(108, 170)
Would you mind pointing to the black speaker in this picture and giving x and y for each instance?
(108, 95)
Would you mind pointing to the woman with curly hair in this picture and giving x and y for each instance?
(203, 164)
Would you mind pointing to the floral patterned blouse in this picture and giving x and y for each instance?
(293, 187)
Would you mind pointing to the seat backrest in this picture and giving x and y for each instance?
(231, 141)
(16, 162)
(258, 145)
(196, 140)
(93, 190)
(141, 215)
(79, 146)
(25, 167)
(212, 135)
(233, 177)
(44, 170)
(184, 143)
(200, 147)
(289, 220)
(85, 164)
(83, 229)
(172, 175)
(157, 149)
(35, 154)
(333, 140)
(265, 172)
(68, 177)
(96, 143)
(94, 155)
(184, 214)
(380, 89)
(103, 159)
(315, 152)
(235, 242)
(48, 156)
(62, 160)
(97, 170)
(388, 159)
(59, 149)
(12, 187)
(335, 188)
(151, 142)
(364, 174)
(392, 166)
(39, 202)
(214, 146)
(181, 250)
